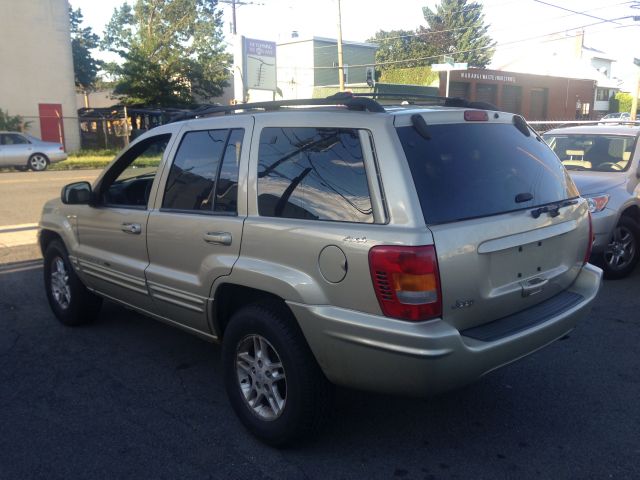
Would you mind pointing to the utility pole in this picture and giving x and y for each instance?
(233, 16)
(340, 64)
(235, 4)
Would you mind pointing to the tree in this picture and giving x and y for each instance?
(172, 51)
(458, 28)
(83, 40)
(400, 48)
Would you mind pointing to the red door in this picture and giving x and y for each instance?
(51, 126)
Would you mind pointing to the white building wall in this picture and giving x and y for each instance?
(36, 63)
(295, 69)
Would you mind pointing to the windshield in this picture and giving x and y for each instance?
(473, 170)
(593, 152)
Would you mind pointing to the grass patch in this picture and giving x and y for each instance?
(79, 163)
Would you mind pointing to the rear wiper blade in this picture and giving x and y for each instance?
(553, 209)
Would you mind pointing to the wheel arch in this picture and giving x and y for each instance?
(46, 237)
(231, 297)
(40, 153)
(633, 212)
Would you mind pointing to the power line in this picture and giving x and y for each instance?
(496, 46)
(576, 12)
(386, 39)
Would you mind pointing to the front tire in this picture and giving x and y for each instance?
(38, 162)
(622, 253)
(272, 379)
(68, 298)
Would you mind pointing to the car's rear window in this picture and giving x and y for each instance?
(478, 169)
(594, 151)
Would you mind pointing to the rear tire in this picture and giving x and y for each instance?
(38, 162)
(623, 251)
(68, 298)
(272, 380)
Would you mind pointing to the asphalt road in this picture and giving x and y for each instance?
(128, 397)
(22, 194)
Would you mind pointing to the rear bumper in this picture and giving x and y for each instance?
(379, 354)
(57, 157)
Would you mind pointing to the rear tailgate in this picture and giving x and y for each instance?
(509, 228)
(496, 266)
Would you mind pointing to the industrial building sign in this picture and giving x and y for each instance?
(488, 76)
(259, 64)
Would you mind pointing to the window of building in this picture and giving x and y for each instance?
(487, 92)
(192, 184)
(314, 174)
(602, 94)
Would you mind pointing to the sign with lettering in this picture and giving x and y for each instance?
(259, 64)
(492, 77)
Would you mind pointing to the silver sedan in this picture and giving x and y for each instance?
(604, 162)
(23, 151)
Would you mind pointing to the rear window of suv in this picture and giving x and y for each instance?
(474, 170)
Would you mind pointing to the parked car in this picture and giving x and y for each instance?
(341, 243)
(23, 151)
(617, 116)
(605, 165)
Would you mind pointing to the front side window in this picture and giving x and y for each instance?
(134, 174)
(313, 174)
(593, 152)
(204, 173)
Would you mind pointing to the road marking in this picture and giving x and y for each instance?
(17, 235)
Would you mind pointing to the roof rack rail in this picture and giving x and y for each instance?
(342, 98)
(447, 101)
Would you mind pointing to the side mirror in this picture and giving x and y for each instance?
(78, 193)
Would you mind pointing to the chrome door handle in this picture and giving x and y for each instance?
(218, 238)
(134, 228)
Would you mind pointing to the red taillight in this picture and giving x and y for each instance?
(406, 281)
(476, 116)
(587, 254)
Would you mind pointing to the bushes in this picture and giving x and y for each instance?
(624, 101)
(12, 123)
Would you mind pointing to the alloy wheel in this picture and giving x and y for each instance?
(60, 287)
(38, 162)
(261, 377)
(621, 249)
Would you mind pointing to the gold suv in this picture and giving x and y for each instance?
(402, 248)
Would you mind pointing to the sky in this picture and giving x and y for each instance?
(511, 21)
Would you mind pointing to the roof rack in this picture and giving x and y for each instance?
(343, 98)
(411, 97)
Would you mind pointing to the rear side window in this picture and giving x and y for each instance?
(12, 139)
(204, 173)
(474, 170)
(314, 174)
